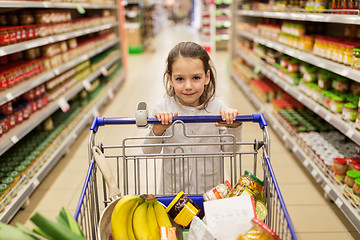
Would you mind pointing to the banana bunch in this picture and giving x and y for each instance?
(138, 217)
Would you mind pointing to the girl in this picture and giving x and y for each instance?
(189, 80)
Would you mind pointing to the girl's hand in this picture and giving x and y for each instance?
(228, 116)
(166, 119)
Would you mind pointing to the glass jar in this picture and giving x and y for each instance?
(26, 18)
(348, 54)
(352, 162)
(324, 80)
(356, 187)
(259, 231)
(336, 103)
(310, 74)
(12, 35)
(10, 181)
(356, 59)
(250, 182)
(340, 84)
(349, 112)
(4, 37)
(293, 66)
(339, 168)
(284, 61)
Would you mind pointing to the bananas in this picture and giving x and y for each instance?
(152, 221)
(161, 215)
(139, 218)
(140, 222)
(122, 215)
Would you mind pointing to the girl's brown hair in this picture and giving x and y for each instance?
(191, 50)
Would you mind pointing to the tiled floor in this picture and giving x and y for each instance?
(314, 217)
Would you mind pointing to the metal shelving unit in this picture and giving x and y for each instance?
(347, 128)
(304, 56)
(18, 132)
(40, 4)
(303, 16)
(25, 188)
(335, 192)
(22, 88)
(18, 47)
(30, 187)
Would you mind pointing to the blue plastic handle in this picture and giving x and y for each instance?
(101, 121)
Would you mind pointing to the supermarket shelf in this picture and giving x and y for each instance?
(335, 120)
(39, 4)
(301, 16)
(17, 47)
(333, 191)
(20, 131)
(29, 84)
(29, 188)
(221, 37)
(305, 56)
(247, 90)
(223, 23)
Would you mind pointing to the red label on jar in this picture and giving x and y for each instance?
(4, 38)
(33, 106)
(12, 121)
(3, 82)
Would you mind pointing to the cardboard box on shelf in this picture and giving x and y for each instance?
(133, 34)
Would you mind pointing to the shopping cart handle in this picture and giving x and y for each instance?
(101, 121)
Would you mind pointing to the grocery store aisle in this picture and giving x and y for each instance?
(312, 215)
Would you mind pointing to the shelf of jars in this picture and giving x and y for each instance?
(303, 16)
(37, 42)
(298, 144)
(282, 80)
(20, 88)
(54, 102)
(306, 56)
(48, 4)
(56, 143)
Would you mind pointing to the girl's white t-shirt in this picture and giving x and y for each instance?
(199, 168)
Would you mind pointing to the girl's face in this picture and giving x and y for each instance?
(188, 80)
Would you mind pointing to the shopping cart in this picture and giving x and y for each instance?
(139, 173)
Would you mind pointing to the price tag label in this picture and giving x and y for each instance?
(63, 104)
(286, 88)
(74, 136)
(104, 71)
(338, 202)
(294, 149)
(9, 96)
(36, 183)
(2, 52)
(80, 9)
(316, 109)
(56, 71)
(350, 133)
(314, 173)
(257, 69)
(306, 163)
(110, 94)
(14, 139)
(327, 189)
(87, 85)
